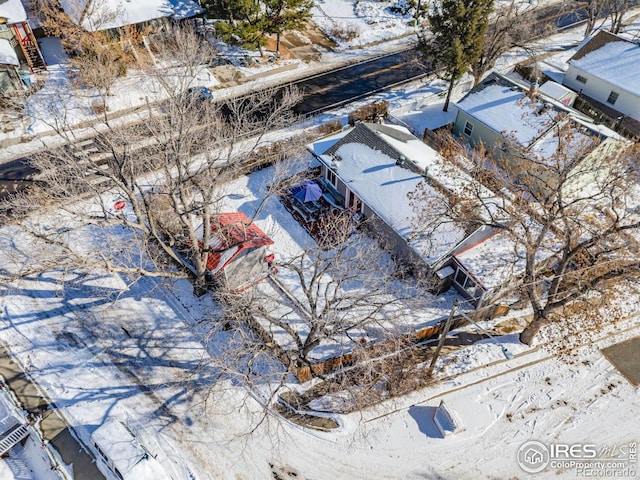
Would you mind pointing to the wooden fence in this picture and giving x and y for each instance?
(379, 349)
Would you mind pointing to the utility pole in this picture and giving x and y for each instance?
(443, 337)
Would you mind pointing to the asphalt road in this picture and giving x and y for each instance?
(345, 85)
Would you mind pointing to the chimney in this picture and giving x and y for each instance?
(533, 90)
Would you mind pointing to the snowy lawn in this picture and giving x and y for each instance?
(355, 24)
(103, 347)
(290, 240)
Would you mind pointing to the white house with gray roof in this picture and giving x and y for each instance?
(606, 68)
(372, 169)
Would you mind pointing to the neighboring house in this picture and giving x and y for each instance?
(238, 254)
(605, 71)
(9, 67)
(371, 170)
(15, 29)
(95, 15)
(511, 119)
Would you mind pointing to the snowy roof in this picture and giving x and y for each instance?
(384, 186)
(13, 11)
(7, 54)
(507, 110)
(497, 257)
(493, 261)
(616, 62)
(119, 445)
(555, 90)
(505, 107)
(104, 14)
(9, 414)
(321, 146)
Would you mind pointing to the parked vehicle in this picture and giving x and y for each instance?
(124, 455)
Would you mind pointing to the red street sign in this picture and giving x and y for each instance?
(119, 205)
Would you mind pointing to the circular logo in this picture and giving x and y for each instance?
(533, 456)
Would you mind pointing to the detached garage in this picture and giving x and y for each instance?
(238, 256)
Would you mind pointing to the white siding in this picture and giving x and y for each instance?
(600, 89)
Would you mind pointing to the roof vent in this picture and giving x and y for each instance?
(401, 159)
(425, 173)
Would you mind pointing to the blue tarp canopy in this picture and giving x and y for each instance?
(307, 191)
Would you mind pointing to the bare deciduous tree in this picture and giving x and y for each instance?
(617, 11)
(510, 27)
(570, 216)
(333, 293)
(599, 11)
(168, 167)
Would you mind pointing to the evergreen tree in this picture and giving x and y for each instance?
(245, 33)
(282, 15)
(456, 37)
(242, 21)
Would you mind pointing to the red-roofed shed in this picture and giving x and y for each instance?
(239, 255)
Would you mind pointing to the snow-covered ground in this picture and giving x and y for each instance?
(103, 348)
(137, 355)
(76, 347)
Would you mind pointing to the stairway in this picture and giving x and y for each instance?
(33, 55)
(12, 437)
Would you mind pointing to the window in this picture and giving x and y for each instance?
(331, 176)
(355, 204)
(468, 128)
(460, 277)
(581, 79)
(613, 96)
(470, 287)
(102, 454)
(465, 282)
